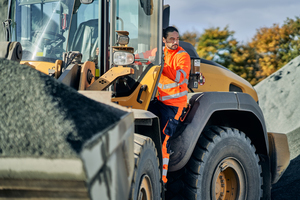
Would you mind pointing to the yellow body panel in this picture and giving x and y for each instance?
(40, 65)
(219, 79)
(131, 101)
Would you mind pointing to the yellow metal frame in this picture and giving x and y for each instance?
(106, 79)
(149, 79)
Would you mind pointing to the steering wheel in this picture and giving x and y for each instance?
(49, 37)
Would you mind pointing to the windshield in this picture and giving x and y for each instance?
(84, 31)
(142, 21)
(41, 27)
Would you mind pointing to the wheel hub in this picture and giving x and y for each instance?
(228, 181)
(145, 192)
(220, 186)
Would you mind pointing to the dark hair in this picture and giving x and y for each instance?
(168, 30)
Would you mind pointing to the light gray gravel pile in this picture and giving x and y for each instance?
(279, 99)
(41, 117)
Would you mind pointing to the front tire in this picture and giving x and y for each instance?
(224, 165)
(146, 181)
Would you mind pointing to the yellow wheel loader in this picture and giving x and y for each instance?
(221, 146)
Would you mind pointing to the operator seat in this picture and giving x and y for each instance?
(85, 39)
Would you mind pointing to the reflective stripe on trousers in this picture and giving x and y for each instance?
(165, 154)
(166, 157)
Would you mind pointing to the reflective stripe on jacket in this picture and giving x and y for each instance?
(173, 83)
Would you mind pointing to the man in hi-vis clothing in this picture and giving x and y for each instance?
(172, 89)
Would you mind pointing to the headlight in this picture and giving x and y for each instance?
(122, 58)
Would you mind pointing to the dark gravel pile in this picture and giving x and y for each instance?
(41, 117)
(288, 186)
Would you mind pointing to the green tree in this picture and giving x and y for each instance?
(217, 45)
(290, 49)
(244, 63)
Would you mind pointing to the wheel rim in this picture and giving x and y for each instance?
(145, 192)
(229, 181)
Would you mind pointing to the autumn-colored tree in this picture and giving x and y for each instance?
(276, 46)
(220, 46)
(266, 43)
(190, 37)
(270, 49)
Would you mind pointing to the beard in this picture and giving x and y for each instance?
(174, 46)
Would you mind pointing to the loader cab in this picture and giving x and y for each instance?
(141, 19)
(41, 27)
(52, 30)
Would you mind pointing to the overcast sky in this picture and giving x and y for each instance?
(242, 16)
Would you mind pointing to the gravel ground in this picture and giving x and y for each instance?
(288, 185)
(41, 117)
(279, 96)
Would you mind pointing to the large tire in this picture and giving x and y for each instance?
(224, 165)
(146, 181)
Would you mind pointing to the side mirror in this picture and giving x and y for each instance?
(147, 5)
(86, 1)
(166, 16)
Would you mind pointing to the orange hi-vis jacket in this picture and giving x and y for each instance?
(173, 83)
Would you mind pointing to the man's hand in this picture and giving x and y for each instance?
(151, 59)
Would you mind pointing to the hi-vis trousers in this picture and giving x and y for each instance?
(168, 116)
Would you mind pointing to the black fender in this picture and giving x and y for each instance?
(231, 109)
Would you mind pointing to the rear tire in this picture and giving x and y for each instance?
(224, 165)
(146, 181)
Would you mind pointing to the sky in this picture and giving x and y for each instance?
(242, 16)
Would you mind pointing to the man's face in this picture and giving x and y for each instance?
(172, 40)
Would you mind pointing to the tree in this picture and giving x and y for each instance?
(290, 49)
(190, 37)
(244, 63)
(217, 45)
(220, 46)
(266, 43)
(276, 46)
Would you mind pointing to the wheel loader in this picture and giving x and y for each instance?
(222, 149)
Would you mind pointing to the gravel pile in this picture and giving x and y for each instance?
(41, 117)
(279, 97)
